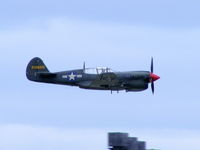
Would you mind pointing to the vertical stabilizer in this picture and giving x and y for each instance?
(35, 66)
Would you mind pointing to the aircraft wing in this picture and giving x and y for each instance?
(106, 80)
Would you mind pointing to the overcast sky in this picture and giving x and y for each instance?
(122, 35)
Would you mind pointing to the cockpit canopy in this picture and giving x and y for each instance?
(97, 70)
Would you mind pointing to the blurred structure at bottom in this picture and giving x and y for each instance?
(121, 141)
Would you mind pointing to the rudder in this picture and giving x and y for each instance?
(35, 66)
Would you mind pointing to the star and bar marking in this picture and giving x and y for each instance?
(72, 76)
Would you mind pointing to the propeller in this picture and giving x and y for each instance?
(152, 83)
(152, 87)
(153, 77)
(151, 64)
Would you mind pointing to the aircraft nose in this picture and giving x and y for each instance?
(154, 77)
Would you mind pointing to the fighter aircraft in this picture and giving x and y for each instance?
(100, 78)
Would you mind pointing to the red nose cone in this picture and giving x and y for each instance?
(154, 77)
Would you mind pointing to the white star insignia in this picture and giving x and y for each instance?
(72, 76)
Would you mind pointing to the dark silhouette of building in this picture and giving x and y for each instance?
(121, 141)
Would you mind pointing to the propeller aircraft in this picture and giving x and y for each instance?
(100, 78)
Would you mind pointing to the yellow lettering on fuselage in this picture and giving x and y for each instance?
(38, 67)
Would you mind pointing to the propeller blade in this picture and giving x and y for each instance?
(152, 65)
(152, 87)
(153, 77)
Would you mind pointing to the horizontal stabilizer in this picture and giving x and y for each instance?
(46, 74)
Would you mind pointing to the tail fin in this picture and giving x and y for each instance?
(35, 66)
